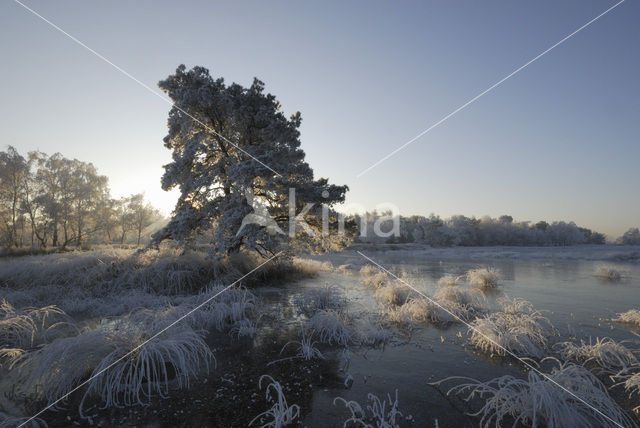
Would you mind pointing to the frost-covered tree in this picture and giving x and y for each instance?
(13, 169)
(630, 237)
(51, 200)
(235, 154)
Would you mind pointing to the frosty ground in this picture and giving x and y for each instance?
(322, 328)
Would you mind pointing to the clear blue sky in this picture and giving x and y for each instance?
(557, 141)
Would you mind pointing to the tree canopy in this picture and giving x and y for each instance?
(234, 154)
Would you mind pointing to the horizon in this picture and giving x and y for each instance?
(555, 142)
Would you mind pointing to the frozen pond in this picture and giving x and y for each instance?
(566, 289)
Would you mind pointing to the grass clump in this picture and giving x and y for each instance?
(392, 294)
(29, 327)
(322, 298)
(137, 370)
(524, 333)
(454, 295)
(539, 401)
(631, 383)
(373, 277)
(281, 413)
(630, 317)
(484, 278)
(331, 327)
(419, 310)
(374, 335)
(140, 369)
(605, 352)
(378, 413)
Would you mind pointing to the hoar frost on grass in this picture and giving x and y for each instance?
(538, 401)
(515, 306)
(381, 413)
(484, 278)
(449, 305)
(7, 421)
(392, 294)
(29, 327)
(631, 384)
(137, 377)
(331, 327)
(605, 352)
(56, 369)
(322, 298)
(373, 334)
(306, 347)
(372, 277)
(474, 299)
(630, 317)
(281, 413)
(523, 333)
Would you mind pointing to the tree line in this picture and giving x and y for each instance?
(460, 230)
(52, 201)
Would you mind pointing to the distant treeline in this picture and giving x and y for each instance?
(51, 201)
(460, 230)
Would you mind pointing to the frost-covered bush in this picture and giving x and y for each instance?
(378, 413)
(605, 352)
(524, 334)
(540, 401)
(331, 327)
(608, 273)
(483, 278)
(632, 316)
(280, 414)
